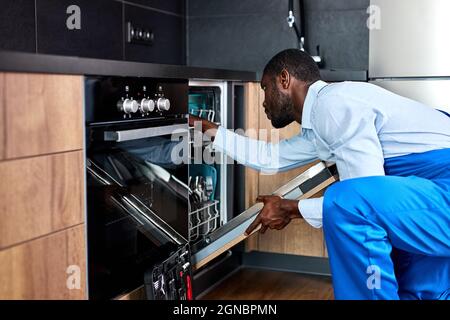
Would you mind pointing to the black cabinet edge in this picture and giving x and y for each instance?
(11, 61)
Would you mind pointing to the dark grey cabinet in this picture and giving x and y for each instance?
(95, 29)
(100, 34)
(168, 32)
(17, 25)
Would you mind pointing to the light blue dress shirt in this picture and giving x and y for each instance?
(353, 124)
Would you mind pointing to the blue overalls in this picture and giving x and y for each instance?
(388, 237)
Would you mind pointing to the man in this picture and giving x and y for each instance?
(387, 222)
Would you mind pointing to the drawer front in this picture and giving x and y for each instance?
(40, 114)
(40, 195)
(53, 267)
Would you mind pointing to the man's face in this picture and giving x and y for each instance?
(278, 106)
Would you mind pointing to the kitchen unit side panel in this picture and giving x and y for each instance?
(298, 238)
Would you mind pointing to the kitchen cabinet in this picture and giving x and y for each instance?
(42, 210)
(99, 33)
(298, 238)
(40, 195)
(168, 36)
(41, 114)
(17, 26)
(51, 267)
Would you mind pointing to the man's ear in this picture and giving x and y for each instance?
(285, 79)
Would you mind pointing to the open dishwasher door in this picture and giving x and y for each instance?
(305, 185)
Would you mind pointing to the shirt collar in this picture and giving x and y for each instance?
(310, 100)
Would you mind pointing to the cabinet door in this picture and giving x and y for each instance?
(40, 114)
(52, 267)
(298, 238)
(42, 230)
(40, 195)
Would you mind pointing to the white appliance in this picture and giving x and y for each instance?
(409, 51)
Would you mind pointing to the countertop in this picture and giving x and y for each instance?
(42, 63)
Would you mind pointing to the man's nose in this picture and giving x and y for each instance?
(264, 104)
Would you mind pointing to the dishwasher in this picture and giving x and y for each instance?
(155, 223)
(218, 217)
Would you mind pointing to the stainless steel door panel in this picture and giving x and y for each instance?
(412, 40)
(433, 92)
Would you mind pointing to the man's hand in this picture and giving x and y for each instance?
(206, 125)
(276, 214)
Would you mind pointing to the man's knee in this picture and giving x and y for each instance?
(331, 205)
(339, 193)
(330, 197)
(345, 199)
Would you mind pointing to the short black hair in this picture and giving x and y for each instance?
(297, 62)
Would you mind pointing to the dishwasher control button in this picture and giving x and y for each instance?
(163, 104)
(128, 106)
(147, 105)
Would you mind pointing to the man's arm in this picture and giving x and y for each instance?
(257, 154)
(260, 155)
(206, 126)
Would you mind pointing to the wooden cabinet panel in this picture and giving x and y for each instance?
(298, 237)
(53, 267)
(46, 268)
(251, 122)
(137, 294)
(2, 123)
(40, 195)
(40, 114)
(251, 102)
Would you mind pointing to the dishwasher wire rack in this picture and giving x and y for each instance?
(205, 114)
(203, 219)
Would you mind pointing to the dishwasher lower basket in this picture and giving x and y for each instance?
(203, 219)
